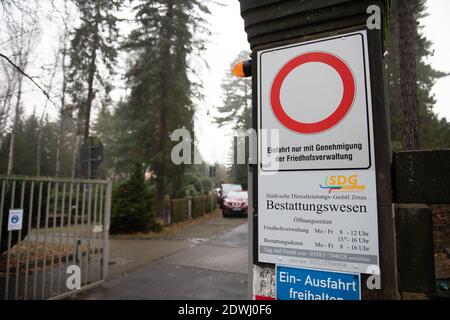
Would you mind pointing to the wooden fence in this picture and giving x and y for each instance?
(190, 208)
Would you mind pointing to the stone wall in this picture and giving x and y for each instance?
(441, 237)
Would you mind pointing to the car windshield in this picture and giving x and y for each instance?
(231, 187)
(238, 195)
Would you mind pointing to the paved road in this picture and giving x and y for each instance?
(206, 260)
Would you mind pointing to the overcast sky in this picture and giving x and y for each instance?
(227, 40)
(437, 28)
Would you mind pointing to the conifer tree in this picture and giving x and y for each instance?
(93, 54)
(161, 97)
(131, 208)
(431, 131)
(237, 112)
(237, 98)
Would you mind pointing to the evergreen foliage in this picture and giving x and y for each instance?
(237, 94)
(433, 132)
(161, 91)
(237, 112)
(132, 206)
(26, 148)
(93, 55)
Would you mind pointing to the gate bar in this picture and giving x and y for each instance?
(106, 230)
(30, 222)
(47, 213)
(16, 288)
(8, 254)
(36, 247)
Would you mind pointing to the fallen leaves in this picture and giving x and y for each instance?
(39, 253)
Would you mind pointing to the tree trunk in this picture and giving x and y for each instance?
(11, 151)
(75, 156)
(59, 143)
(167, 32)
(38, 150)
(92, 71)
(60, 140)
(408, 77)
(85, 112)
(14, 129)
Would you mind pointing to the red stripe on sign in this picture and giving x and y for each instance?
(263, 298)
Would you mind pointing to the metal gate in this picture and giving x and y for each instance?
(54, 236)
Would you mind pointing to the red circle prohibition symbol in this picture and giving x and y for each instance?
(341, 111)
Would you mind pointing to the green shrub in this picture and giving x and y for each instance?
(132, 205)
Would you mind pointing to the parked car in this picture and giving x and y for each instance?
(235, 204)
(225, 188)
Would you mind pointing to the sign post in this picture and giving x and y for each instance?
(91, 157)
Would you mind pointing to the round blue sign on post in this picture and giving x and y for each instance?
(15, 219)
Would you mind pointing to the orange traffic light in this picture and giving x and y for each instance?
(243, 69)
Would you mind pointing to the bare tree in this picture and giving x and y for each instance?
(64, 45)
(7, 91)
(22, 27)
(41, 121)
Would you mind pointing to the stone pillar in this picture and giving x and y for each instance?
(420, 183)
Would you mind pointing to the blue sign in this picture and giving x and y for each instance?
(15, 219)
(306, 284)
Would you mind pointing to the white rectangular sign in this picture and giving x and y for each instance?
(15, 219)
(317, 200)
